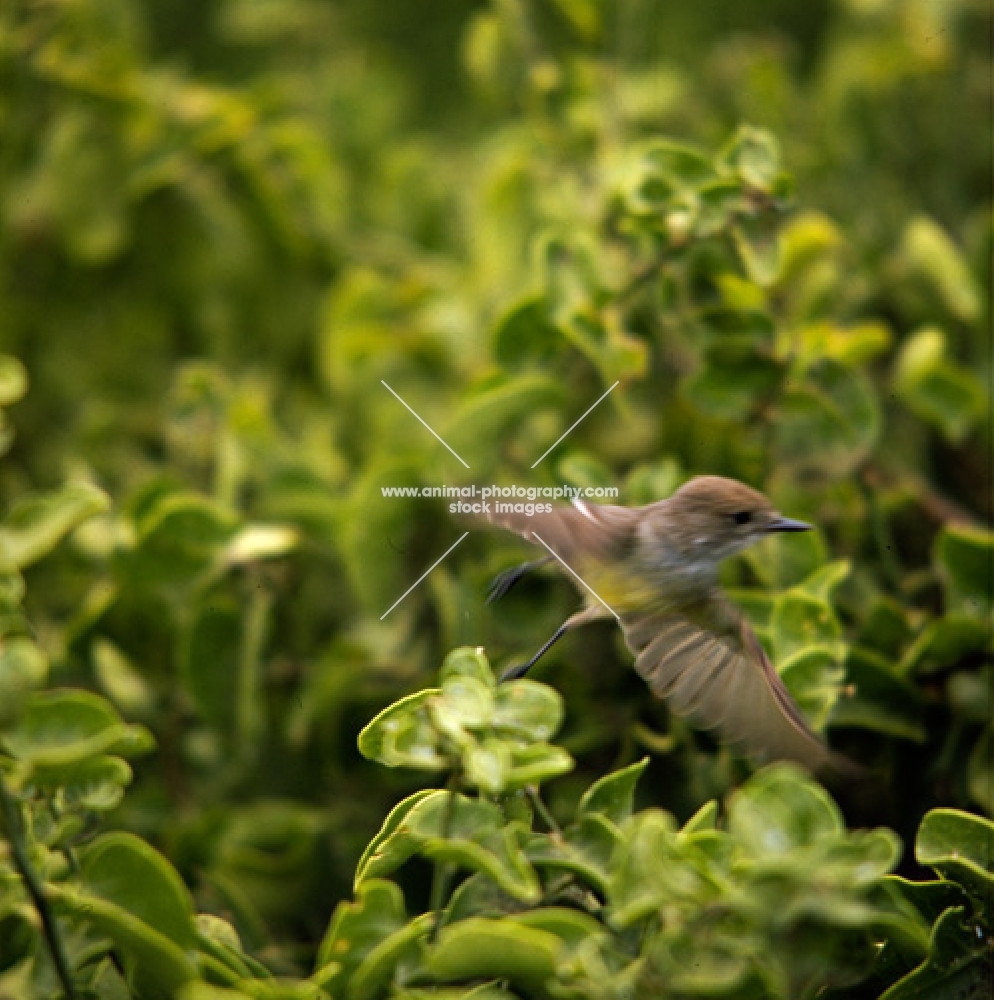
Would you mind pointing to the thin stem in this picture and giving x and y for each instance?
(249, 658)
(11, 819)
(882, 536)
(543, 810)
(442, 870)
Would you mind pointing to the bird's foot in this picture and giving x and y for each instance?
(514, 673)
(503, 582)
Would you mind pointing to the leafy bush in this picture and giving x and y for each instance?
(221, 227)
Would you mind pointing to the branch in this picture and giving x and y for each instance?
(11, 821)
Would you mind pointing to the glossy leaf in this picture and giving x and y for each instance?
(122, 869)
(958, 965)
(13, 380)
(402, 735)
(37, 524)
(834, 405)
(965, 556)
(877, 697)
(960, 847)
(939, 391)
(932, 255)
(779, 809)
(61, 729)
(356, 929)
(479, 948)
(613, 795)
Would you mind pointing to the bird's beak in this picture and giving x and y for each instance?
(780, 523)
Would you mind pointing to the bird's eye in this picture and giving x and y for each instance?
(742, 517)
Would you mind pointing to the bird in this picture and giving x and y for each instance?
(655, 569)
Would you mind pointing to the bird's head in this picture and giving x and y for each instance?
(713, 518)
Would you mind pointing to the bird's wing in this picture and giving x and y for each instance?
(584, 531)
(702, 657)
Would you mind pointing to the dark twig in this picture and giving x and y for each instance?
(11, 819)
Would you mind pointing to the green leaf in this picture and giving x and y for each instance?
(929, 253)
(885, 627)
(483, 417)
(23, 667)
(257, 542)
(486, 766)
(779, 809)
(356, 929)
(959, 963)
(585, 851)
(472, 834)
(402, 735)
(936, 389)
(156, 966)
(464, 704)
(944, 643)
(800, 622)
(122, 869)
(960, 847)
(581, 468)
(377, 854)
(788, 559)
(208, 667)
(527, 709)
(532, 765)
(756, 242)
(468, 662)
(931, 898)
(37, 524)
(524, 335)
(965, 557)
(118, 678)
(831, 404)
(732, 382)
(64, 728)
(753, 154)
(821, 584)
(479, 896)
(813, 676)
(96, 785)
(585, 17)
(879, 699)
(970, 694)
(403, 947)
(680, 165)
(479, 948)
(706, 818)
(980, 772)
(572, 927)
(179, 537)
(647, 870)
(451, 827)
(613, 795)
(13, 380)
(269, 849)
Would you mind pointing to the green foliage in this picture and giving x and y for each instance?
(760, 231)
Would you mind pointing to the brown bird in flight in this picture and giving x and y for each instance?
(655, 569)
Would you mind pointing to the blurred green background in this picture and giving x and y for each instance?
(223, 224)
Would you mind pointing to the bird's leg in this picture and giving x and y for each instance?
(503, 582)
(513, 673)
(580, 618)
